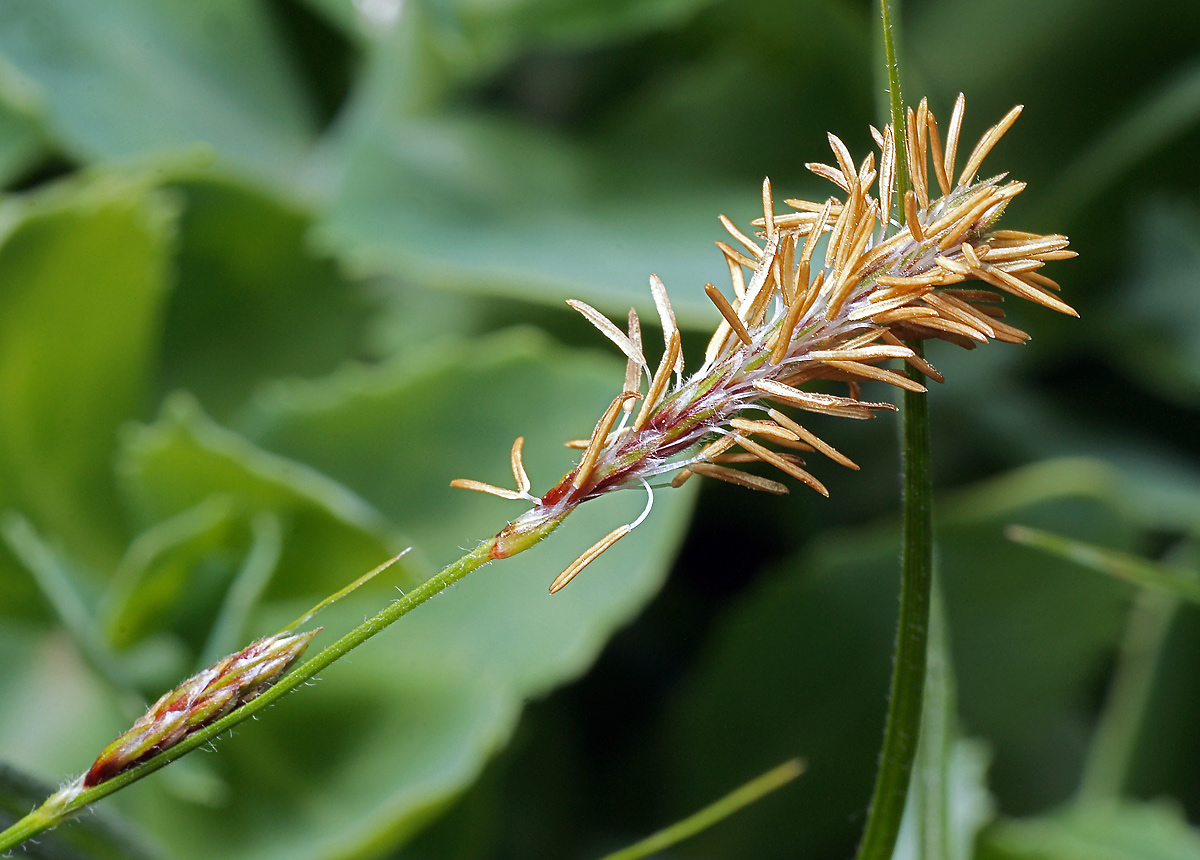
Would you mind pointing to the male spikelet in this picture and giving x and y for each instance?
(802, 317)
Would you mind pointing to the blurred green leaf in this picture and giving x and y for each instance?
(184, 458)
(799, 667)
(229, 628)
(486, 205)
(1148, 831)
(83, 272)
(484, 201)
(20, 143)
(120, 79)
(473, 36)
(56, 713)
(1163, 304)
(1172, 109)
(252, 301)
(57, 584)
(154, 587)
(1138, 571)
(1031, 636)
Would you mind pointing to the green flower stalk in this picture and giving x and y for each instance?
(797, 318)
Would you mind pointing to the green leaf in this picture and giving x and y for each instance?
(1162, 305)
(1126, 831)
(246, 590)
(159, 581)
(251, 301)
(800, 666)
(21, 144)
(83, 271)
(184, 458)
(491, 206)
(474, 36)
(1172, 109)
(1182, 584)
(122, 79)
(56, 713)
(57, 583)
(423, 187)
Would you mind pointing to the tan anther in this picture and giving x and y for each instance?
(729, 313)
(589, 555)
(741, 479)
(658, 385)
(518, 467)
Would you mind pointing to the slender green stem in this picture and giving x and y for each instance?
(896, 107)
(67, 801)
(755, 789)
(903, 726)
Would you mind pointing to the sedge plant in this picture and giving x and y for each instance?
(822, 295)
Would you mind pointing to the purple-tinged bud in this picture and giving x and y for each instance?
(199, 701)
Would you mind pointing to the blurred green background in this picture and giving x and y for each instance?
(273, 272)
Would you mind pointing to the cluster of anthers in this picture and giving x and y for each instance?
(802, 318)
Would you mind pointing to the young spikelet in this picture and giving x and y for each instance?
(803, 317)
(198, 702)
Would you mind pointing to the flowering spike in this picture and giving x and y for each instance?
(938, 157)
(801, 319)
(768, 206)
(749, 243)
(741, 479)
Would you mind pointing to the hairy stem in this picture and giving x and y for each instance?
(903, 725)
(69, 800)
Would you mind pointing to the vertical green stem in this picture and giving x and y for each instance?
(903, 726)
